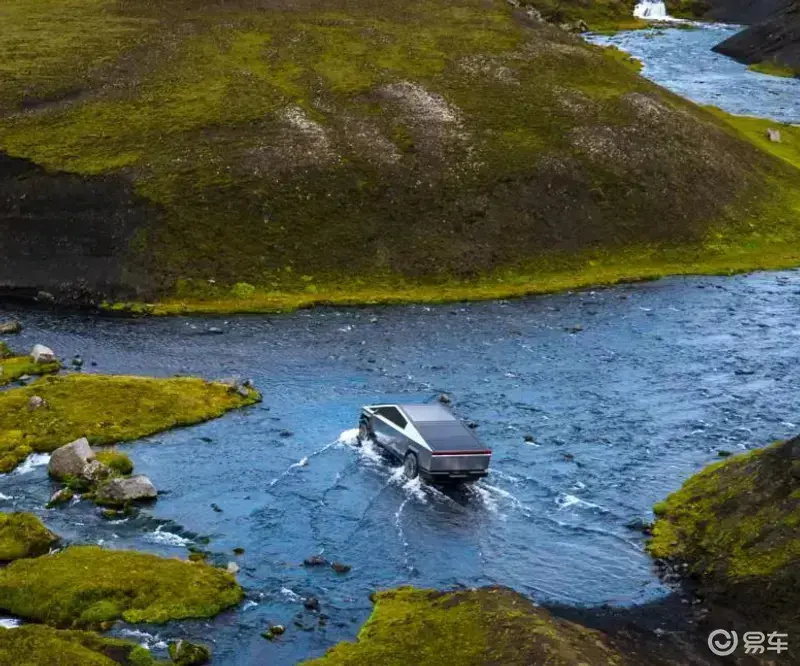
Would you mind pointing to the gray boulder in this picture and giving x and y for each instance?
(95, 471)
(36, 402)
(42, 354)
(10, 327)
(122, 490)
(69, 460)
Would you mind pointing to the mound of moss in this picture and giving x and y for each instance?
(23, 535)
(737, 526)
(295, 153)
(106, 409)
(86, 586)
(14, 367)
(117, 461)
(33, 644)
(484, 626)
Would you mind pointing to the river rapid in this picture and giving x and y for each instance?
(662, 376)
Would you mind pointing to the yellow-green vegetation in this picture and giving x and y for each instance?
(484, 626)
(14, 367)
(106, 410)
(774, 68)
(356, 151)
(23, 535)
(737, 525)
(86, 586)
(688, 9)
(33, 645)
(119, 462)
(598, 15)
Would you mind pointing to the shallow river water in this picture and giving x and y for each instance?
(682, 60)
(662, 376)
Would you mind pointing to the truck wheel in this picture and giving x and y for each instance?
(364, 432)
(411, 466)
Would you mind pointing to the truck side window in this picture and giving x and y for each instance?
(393, 414)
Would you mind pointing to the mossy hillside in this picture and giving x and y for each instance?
(23, 535)
(136, 587)
(33, 645)
(106, 410)
(737, 525)
(424, 144)
(599, 15)
(688, 9)
(484, 626)
(14, 367)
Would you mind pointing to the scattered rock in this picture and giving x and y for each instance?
(232, 568)
(69, 460)
(340, 568)
(184, 653)
(286, 433)
(774, 135)
(722, 453)
(569, 457)
(77, 361)
(45, 297)
(311, 603)
(215, 330)
(529, 438)
(574, 329)
(36, 402)
(111, 514)
(445, 399)
(273, 631)
(238, 550)
(42, 354)
(121, 490)
(315, 561)
(216, 507)
(640, 525)
(60, 497)
(11, 327)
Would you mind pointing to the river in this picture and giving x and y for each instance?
(662, 376)
(681, 60)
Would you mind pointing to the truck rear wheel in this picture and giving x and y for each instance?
(411, 465)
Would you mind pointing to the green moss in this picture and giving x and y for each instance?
(118, 462)
(105, 410)
(735, 524)
(774, 68)
(84, 586)
(14, 367)
(485, 626)
(23, 535)
(32, 644)
(599, 15)
(5, 351)
(688, 9)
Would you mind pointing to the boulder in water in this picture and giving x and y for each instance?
(70, 459)
(11, 327)
(42, 354)
(119, 491)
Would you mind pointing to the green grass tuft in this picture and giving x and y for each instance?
(119, 462)
(87, 586)
(23, 535)
(14, 367)
(106, 410)
(774, 68)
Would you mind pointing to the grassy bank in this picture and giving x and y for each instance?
(86, 586)
(106, 410)
(14, 367)
(735, 524)
(23, 535)
(774, 69)
(37, 644)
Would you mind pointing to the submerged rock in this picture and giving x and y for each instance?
(184, 653)
(273, 631)
(119, 491)
(70, 459)
(60, 497)
(315, 561)
(10, 327)
(311, 603)
(41, 354)
(340, 568)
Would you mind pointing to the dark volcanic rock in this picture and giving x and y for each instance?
(65, 234)
(776, 39)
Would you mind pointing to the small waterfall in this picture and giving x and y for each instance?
(651, 10)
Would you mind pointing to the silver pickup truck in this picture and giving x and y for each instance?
(428, 439)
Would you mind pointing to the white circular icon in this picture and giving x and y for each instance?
(722, 642)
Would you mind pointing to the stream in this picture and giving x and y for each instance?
(662, 377)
